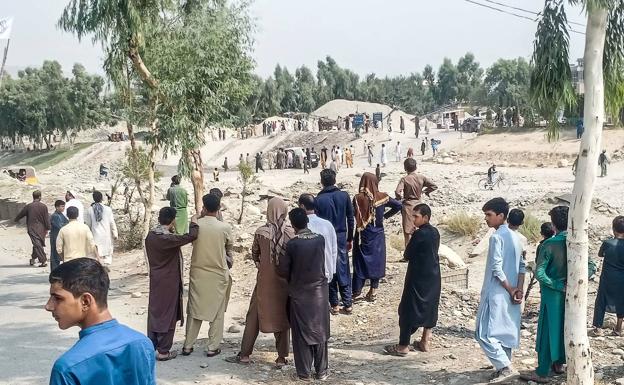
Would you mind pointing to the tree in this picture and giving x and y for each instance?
(447, 86)
(246, 177)
(550, 86)
(305, 89)
(469, 78)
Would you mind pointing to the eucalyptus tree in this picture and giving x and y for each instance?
(551, 88)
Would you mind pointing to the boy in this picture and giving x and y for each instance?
(498, 319)
(107, 352)
(215, 175)
(57, 220)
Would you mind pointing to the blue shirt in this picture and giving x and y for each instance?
(107, 354)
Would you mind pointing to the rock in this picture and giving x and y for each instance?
(234, 329)
(598, 376)
(137, 294)
(563, 163)
(618, 352)
(620, 381)
(204, 366)
(528, 361)
(453, 259)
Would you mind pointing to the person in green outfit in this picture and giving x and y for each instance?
(551, 273)
(178, 199)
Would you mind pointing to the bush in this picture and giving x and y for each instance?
(531, 228)
(463, 223)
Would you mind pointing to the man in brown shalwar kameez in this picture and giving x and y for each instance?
(267, 309)
(303, 265)
(37, 225)
(162, 246)
(410, 190)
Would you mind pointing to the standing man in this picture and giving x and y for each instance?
(166, 269)
(37, 227)
(225, 165)
(71, 200)
(422, 287)
(335, 206)
(323, 157)
(268, 306)
(259, 162)
(402, 124)
(101, 221)
(603, 160)
(107, 352)
(579, 128)
(498, 318)
(370, 156)
(303, 266)
(416, 126)
(57, 221)
(384, 156)
(423, 147)
(75, 239)
(210, 280)
(322, 227)
(397, 152)
(409, 191)
(348, 157)
(178, 199)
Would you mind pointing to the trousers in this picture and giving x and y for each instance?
(499, 355)
(345, 293)
(215, 333)
(162, 341)
(358, 284)
(307, 356)
(252, 329)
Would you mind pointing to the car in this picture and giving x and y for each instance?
(471, 125)
(299, 153)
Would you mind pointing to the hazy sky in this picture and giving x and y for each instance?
(387, 37)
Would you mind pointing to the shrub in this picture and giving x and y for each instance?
(463, 223)
(531, 228)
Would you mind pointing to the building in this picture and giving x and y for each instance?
(577, 77)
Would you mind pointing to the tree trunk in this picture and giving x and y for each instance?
(578, 352)
(197, 177)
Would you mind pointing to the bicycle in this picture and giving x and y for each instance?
(500, 183)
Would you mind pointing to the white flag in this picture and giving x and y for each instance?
(5, 27)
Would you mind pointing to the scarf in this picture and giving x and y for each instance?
(277, 230)
(161, 229)
(98, 211)
(367, 200)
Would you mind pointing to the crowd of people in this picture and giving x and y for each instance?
(304, 277)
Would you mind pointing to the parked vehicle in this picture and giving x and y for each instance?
(299, 153)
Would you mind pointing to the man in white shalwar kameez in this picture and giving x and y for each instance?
(498, 319)
(101, 221)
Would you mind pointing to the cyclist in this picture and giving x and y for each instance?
(491, 173)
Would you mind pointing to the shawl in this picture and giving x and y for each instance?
(277, 230)
(367, 200)
(98, 210)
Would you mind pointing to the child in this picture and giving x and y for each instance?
(305, 165)
(215, 175)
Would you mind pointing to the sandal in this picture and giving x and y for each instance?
(420, 346)
(212, 353)
(43, 264)
(371, 297)
(169, 356)
(534, 378)
(346, 310)
(279, 364)
(558, 370)
(32, 262)
(187, 352)
(392, 351)
(237, 360)
(334, 311)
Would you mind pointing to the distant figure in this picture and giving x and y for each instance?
(37, 226)
(491, 174)
(225, 165)
(103, 171)
(305, 165)
(378, 173)
(215, 175)
(71, 200)
(397, 151)
(57, 221)
(107, 353)
(384, 156)
(410, 152)
(178, 199)
(579, 128)
(402, 125)
(259, 162)
(603, 160)
(370, 156)
(423, 147)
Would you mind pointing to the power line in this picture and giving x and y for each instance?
(515, 14)
(527, 11)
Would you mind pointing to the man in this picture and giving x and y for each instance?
(491, 174)
(57, 221)
(603, 161)
(397, 152)
(409, 191)
(75, 239)
(225, 165)
(416, 126)
(579, 128)
(322, 227)
(402, 125)
(259, 162)
(303, 265)
(515, 219)
(37, 227)
(422, 287)
(348, 154)
(335, 206)
(370, 156)
(71, 200)
(178, 199)
(107, 352)
(268, 305)
(210, 280)
(166, 268)
(101, 221)
(323, 157)
(423, 147)
(384, 156)
(498, 318)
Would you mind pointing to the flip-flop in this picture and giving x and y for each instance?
(280, 365)
(346, 310)
(169, 356)
(212, 353)
(371, 297)
(187, 352)
(392, 351)
(334, 311)
(534, 378)
(237, 360)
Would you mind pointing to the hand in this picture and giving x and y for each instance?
(349, 245)
(194, 218)
(518, 296)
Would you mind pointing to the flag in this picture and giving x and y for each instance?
(5, 27)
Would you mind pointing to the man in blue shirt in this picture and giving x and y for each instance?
(107, 352)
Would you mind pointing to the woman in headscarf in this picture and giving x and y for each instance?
(369, 246)
(267, 308)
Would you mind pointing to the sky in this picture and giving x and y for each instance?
(385, 37)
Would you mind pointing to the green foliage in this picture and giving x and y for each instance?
(463, 223)
(531, 228)
(551, 77)
(136, 166)
(42, 102)
(613, 60)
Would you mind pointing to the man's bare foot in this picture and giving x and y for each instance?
(422, 346)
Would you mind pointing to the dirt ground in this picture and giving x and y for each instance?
(31, 341)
